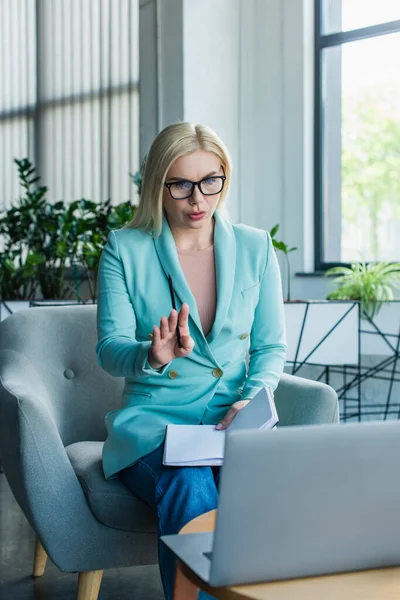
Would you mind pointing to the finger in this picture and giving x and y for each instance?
(187, 343)
(156, 336)
(184, 315)
(173, 320)
(183, 323)
(228, 418)
(164, 327)
(231, 414)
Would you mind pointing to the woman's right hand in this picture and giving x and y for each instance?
(164, 347)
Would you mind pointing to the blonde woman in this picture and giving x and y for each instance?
(186, 365)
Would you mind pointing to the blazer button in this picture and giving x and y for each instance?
(217, 373)
(244, 336)
(150, 336)
(172, 374)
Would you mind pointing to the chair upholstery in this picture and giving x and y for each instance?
(53, 399)
(111, 502)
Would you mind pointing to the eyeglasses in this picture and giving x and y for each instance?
(209, 186)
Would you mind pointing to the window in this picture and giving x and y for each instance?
(69, 96)
(357, 131)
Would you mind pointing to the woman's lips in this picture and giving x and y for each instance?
(196, 216)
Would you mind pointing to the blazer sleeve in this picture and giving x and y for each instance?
(268, 337)
(118, 351)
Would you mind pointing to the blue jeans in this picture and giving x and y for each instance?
(178, 494)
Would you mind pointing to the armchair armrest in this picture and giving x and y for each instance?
(302, 401)
(38, 469)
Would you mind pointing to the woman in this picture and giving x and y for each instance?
(227, 286)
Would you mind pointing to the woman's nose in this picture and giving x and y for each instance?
(197, 196)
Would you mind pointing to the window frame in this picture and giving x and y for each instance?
(321, 42)
(37, 105)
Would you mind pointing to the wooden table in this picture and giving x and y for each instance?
(378, 584)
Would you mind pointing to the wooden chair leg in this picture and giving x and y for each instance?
(89, 585)
(184, 589)
(40, 559)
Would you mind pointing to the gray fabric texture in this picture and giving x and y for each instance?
(40, 412)
(53, 394)
(111, 502)
(301, 401)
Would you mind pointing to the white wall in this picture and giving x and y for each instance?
(245, 68)
(212, 30)
(277, 129)
(161, 67)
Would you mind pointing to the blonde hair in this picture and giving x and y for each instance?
(174, 141)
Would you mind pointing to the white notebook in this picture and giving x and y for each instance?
(203, 445)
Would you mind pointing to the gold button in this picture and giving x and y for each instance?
(244, 336)
(150, 336)
(217, 373)
(172, 374)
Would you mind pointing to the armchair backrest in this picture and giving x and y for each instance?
(48, 357)
(48, 353)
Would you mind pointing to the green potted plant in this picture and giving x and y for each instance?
(17, 274)
(18, 259)
(49, 248)
(37, 242)
(279, 245)
(97, 220)
(137, 177)
(372, 284)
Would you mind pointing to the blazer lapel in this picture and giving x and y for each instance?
(225, 266)
(225, 263)
(168, 257)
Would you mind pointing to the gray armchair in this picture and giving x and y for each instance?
(53, 399)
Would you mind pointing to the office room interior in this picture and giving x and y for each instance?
(305, 97)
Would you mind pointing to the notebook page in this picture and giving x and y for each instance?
(193, 444)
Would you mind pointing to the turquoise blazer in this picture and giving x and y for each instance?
(244, 351)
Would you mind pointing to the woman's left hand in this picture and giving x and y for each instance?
(231, 414)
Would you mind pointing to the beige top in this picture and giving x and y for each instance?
(199, 269)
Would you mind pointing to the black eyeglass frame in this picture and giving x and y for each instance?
(198, 183)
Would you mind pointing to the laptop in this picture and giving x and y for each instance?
(301, 501)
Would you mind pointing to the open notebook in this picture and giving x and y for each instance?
(202, 445)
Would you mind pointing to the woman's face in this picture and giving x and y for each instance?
(192, 167)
